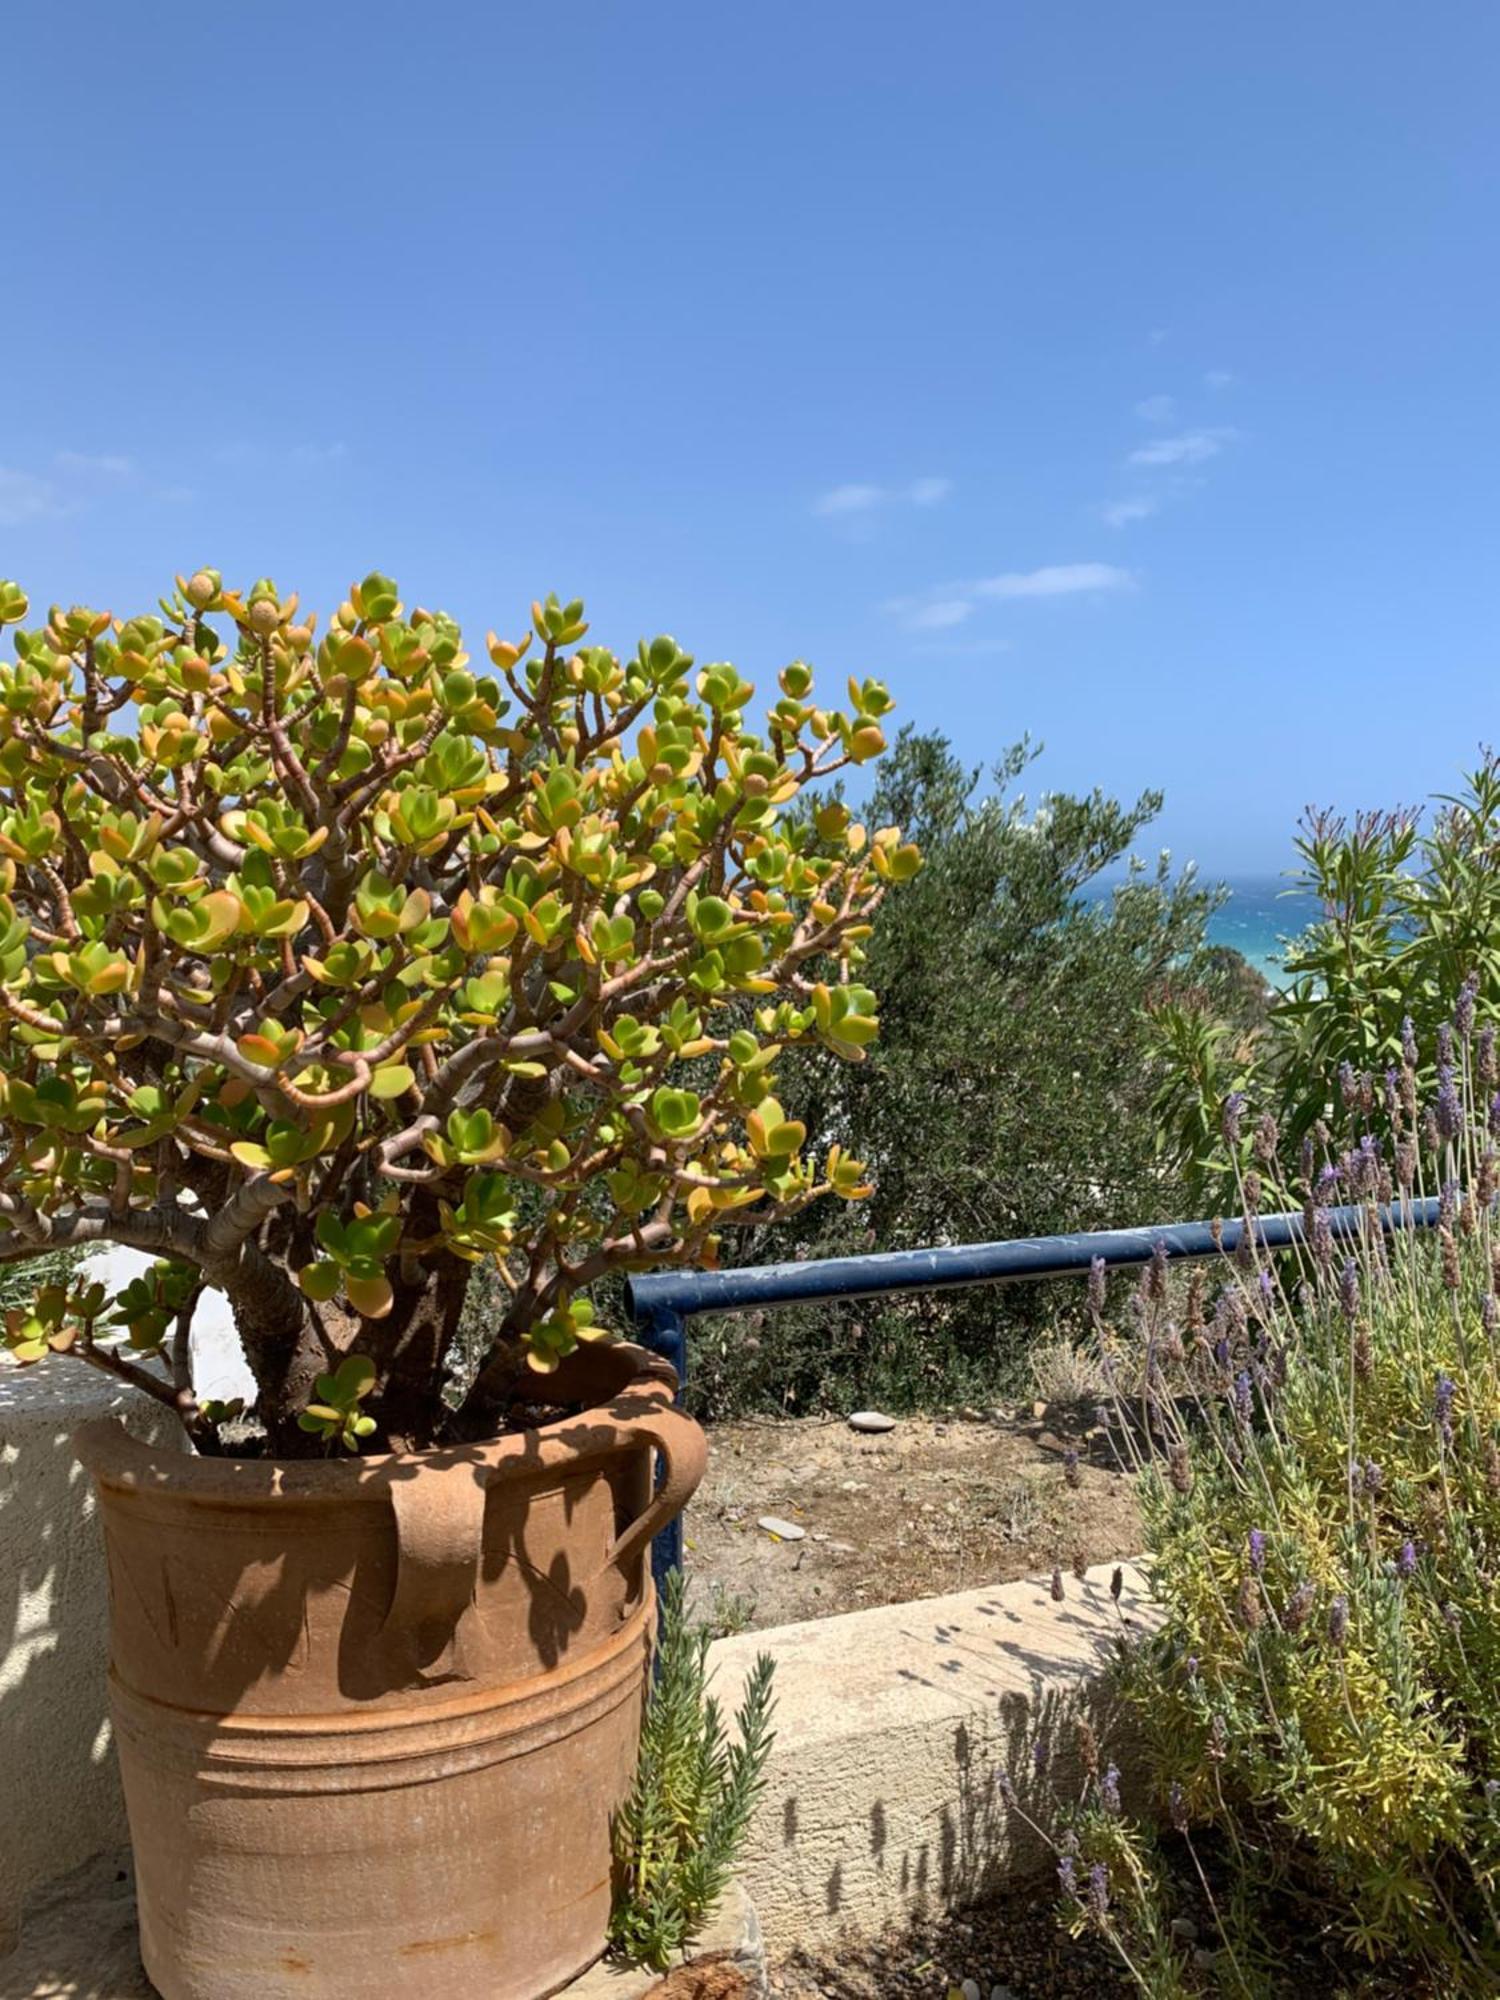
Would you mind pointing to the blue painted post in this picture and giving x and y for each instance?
(664, 1332)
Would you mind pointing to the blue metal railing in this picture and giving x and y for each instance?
(662, 1303)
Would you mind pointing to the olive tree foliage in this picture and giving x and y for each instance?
(332, 969)
(1010, 1093)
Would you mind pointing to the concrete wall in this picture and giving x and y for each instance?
(892, 1727)
(58, 1785)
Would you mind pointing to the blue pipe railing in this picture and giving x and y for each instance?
(663, 1302)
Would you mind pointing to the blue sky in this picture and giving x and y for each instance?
(1125, 375)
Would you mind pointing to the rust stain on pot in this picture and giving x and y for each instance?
(446, 1944)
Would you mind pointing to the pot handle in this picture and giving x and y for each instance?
(439, 1531)
(684, 1451)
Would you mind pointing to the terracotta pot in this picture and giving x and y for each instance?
(373, 1716)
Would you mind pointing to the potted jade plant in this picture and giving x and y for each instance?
(333, 970)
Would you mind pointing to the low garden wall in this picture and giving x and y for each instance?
(57, 1766)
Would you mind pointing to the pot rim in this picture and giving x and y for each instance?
(641, 1407)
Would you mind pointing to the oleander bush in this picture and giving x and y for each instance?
(1317, 1436)
(1410, 914)
(335, 968)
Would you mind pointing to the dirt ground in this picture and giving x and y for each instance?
(929, 1507)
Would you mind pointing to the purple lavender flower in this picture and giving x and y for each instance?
(1338, 1620)
(1267, 1132)
(1322, 1238)
(1348, 1088)
(1372, 1479)
(1406, 1166)
(1257, 1550)
(1485, 1055)
(1098, 1892)
(1067, 1876)
(1406, 1562)
(1192, 1666)
(1299, 1607)
(1109, 1790)
(1392, 1094)
(1039, 1756)
(1450, 1114)
(1408, 1043)
(1234, 1105)
(1096, 1284)
(1155, 1276)
(1463, 1009)
(1244, 1401)
(1442, 1407)
(1005, 1785)
(1494, 1118)
(1349, 1290)
(1489, 1313)
(1444, 1044)
(1447, 1204)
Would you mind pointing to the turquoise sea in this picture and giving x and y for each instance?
(1260, 914)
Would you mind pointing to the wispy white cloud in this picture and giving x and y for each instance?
(864, 496)
(1187, 448)
(1156, 409)
(928, 492)
(94, 465)
(26, 497)
(1122, 513)
(251, 454)
(947, 606)
(1056, 580)
(72, 479)
(854, 498)
(1156, 336)
(1220, 378)
(940, 615)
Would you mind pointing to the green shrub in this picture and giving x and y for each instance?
(678, 1835)
(1319, 1457)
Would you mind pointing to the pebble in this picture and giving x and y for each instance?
(871, 1421)
(784, 1531)
(970, 1989)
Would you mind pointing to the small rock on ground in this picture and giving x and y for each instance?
(873, 1421)
(784, 1531)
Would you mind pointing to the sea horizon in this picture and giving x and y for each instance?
(1260, 913)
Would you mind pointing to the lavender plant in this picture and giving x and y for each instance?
(1317, 1438)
